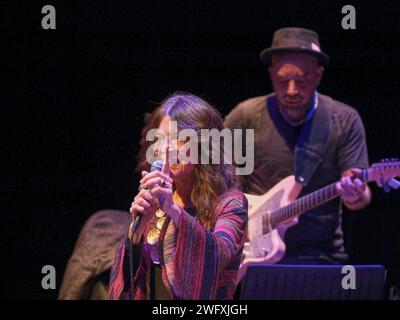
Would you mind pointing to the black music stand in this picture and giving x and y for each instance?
(311, 282)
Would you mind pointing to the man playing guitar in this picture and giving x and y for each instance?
(301, 132)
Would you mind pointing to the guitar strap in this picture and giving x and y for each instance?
(312, 143)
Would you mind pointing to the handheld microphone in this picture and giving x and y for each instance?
(156, 166)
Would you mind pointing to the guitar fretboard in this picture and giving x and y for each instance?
(379, 172)
(308, 202)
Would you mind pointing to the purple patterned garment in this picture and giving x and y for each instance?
(196, 263)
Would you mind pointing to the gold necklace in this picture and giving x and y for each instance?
(154, 234)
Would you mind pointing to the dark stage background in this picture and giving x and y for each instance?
(73, 101)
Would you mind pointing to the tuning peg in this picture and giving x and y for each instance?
(394, 184)
(390, 159)
(391, 184)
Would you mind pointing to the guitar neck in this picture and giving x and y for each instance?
(303, 204)
(378, 172)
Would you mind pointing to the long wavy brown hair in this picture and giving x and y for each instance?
(210, 180)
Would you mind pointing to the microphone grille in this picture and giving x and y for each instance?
(157, 165)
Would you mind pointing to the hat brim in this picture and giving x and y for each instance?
(266, 54)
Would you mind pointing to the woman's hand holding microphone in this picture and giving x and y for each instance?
(156, 190)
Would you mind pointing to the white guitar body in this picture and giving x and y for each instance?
(268, 248)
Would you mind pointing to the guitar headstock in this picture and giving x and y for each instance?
(382, 172)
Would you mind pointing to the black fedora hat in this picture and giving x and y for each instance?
(295, 40)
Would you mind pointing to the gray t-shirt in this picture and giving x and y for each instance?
(319, 234)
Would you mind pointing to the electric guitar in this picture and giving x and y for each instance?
(272, 214)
